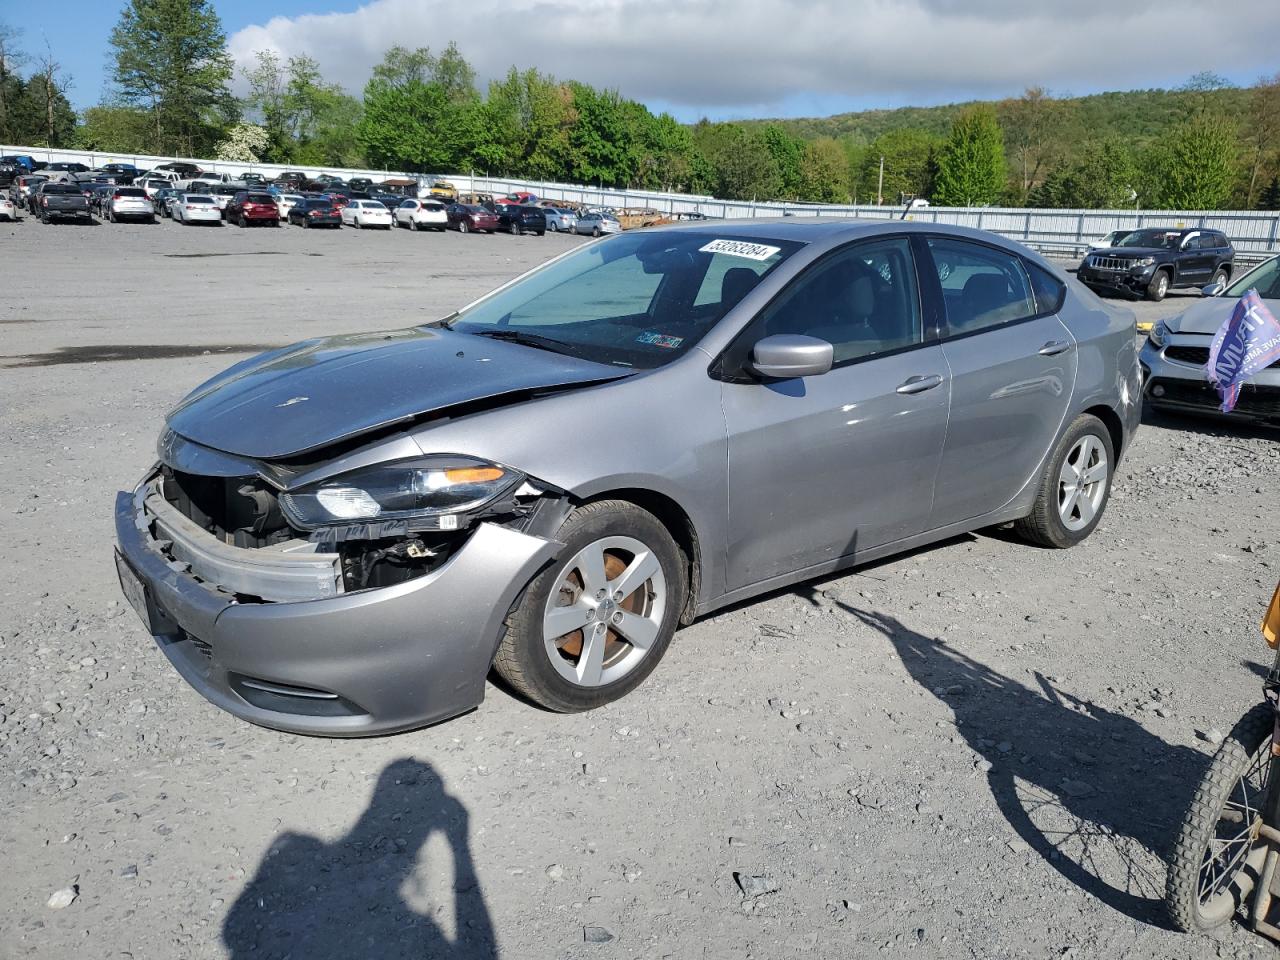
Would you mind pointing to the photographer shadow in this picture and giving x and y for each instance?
(1091, 791)
(347, 898)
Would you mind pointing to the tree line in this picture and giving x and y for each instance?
(1206, 145)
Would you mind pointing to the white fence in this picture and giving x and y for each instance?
(1255, 234)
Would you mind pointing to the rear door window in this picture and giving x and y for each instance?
(982, 287)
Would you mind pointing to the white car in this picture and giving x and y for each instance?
(224, 193)
(596, 223)
(366, 213)
(286, 202)
(153, 184)
(560, 220)
(422, 215)
(1110, 240)
(7, 209)
(128, 203)
(195, 208)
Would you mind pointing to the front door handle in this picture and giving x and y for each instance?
(1055, 347)
(919, 384)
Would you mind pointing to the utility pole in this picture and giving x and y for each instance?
(880, 185)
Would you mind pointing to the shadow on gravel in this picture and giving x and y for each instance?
(347, 899)
(1091, 791)
(143, 351)
(1208, 424)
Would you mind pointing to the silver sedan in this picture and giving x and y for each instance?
(1176, 353)
(344, 536)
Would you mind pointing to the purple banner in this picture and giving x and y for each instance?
(1249, 341)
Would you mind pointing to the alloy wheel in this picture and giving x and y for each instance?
(605, 611)
(1082, 483)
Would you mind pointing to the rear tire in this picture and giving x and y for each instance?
(622, 535)
(1221, 276)
(1190, 908)
(413, 225)
(462, 227)
(1158, 287)
(1074, 488)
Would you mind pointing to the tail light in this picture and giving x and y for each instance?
(117, 196)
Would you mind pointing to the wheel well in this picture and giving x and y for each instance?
(672, 516)
(1226, 268)
(1111, 420)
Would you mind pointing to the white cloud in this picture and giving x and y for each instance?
(734, 56)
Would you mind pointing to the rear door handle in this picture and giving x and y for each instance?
(1055, 347)
(919, 384)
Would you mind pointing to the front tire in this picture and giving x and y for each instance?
(1074, 488)
(1158, 287)
(462, 227)
(1214, 862)
(590, 628)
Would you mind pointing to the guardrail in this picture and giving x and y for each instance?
(1255, 234)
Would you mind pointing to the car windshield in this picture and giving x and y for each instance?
(198, 199)
(259, 198)
(50, 188)
(1167, 239)
(1265, 278)
(129, 192)
(635, 300)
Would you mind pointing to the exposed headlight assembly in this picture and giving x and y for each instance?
(1145, 262)
(435, 487)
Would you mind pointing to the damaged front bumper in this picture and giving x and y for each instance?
(363, 662)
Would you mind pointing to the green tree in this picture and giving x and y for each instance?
(526, 131)
(597, 147)
(1262, 131)
(1270, 199)
(824, 172)
(908, 165)
(971, 165)
(170, 58)
(416, 110)
(114, 129)
(1193, 166)
(307, 120)
(788, 153)
(740, 166)
(1105, 178)
(1036, 128)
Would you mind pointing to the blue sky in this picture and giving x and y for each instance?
(728, 58)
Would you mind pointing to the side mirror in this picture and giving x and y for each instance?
(785, 356)
(1214, 289)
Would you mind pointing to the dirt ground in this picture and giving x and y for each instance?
(980, 749)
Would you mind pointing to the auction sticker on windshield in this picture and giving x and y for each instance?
(660, 340)
(740, 248)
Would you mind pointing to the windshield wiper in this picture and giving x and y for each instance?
(535, 340)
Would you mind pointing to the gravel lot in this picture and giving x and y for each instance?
(979, 749)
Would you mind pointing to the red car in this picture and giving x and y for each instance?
(251, 206)
(469, 217)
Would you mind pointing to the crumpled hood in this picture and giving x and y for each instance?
(1207, 315)
(315, 393)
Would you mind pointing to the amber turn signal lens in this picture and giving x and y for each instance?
(473, 474)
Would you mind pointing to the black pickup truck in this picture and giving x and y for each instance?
(1151, 262)
(54, 201)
